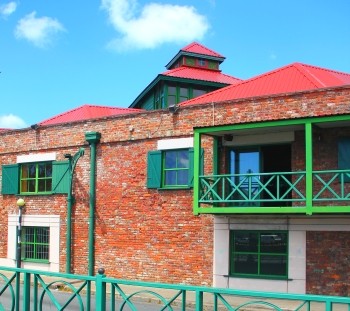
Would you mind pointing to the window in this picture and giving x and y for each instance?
(259, 254)
(35, 243)
(175, 168)
(201, 62)
(343, 157)
(35, 178)
(170, 168)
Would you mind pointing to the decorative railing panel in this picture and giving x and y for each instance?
(265, 189)
(252, 188)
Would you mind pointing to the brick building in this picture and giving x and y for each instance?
(243, 187)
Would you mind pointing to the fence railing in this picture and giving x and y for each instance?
(22, 289)
(253, 189)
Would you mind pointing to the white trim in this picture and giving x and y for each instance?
(177, 143)
(39, 157)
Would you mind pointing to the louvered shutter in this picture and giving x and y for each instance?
(154, 169)
(10, 179)
(60, 177)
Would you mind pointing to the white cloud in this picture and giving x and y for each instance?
(11, 121)
(154, 25)
(38, 30)
(8, 9)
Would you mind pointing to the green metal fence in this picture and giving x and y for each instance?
(22, 289)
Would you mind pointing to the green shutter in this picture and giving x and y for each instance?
(191, 167)
(154, 169)
(60, 177)
(10, 179)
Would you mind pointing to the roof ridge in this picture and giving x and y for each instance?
(308, 75)
(194, 43)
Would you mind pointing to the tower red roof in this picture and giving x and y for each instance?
(201, 74)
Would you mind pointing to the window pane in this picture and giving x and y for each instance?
(43, 235)
(31, 185)
(273, 242)
(29, 251)
(273, 265)
(183, 160)
(41, 185)
(170, 178)
(31, 171)
(171, 100)
(170, 159)
(246, 263)
(29, 235)
(182, 177)
(171, 90)
(183, 91)
(41, 170)
(246, 242)
(197, 93)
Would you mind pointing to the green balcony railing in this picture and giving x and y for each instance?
(255, 189)
(40, 290)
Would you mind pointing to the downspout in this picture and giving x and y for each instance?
(93, 138)
(70, 201)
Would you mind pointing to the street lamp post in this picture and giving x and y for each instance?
(70, 200)
(20, 204)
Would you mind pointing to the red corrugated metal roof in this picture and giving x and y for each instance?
(201, 74)
(291, 78)
(197, 48)
(87, 112)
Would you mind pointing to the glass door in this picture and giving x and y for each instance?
(245, 167)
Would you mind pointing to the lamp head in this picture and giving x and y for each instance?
(21, 203)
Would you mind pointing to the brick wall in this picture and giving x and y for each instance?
(327, 263)
(142, 233)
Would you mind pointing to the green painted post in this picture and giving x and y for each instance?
(199, 300)
(70, 201)
(100, 291)
(196, 163)
(308, 167)
(92, 138)
(26, 291)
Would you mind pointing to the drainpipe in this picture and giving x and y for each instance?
(70, 201)
(92, 138)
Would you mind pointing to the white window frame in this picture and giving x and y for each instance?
(51, 221)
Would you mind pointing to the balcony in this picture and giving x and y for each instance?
(274, 168)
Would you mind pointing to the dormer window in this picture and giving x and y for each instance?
(201, 62)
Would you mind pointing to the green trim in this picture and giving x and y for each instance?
(196, 171)
(258, 125)
(308, 167)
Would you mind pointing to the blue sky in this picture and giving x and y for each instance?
(59, 55)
